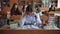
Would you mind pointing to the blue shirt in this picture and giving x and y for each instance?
(30, 19)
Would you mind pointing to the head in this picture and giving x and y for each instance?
(15, 5)
(38, 9)
(29, 10)
(37, 6)
(51, 6)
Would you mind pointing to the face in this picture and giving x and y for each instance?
(16, 6)
(30, 13)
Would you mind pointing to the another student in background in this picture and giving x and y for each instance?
(15, 10)
(52, 8)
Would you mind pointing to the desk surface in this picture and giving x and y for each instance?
(52, 13)
(29, 32)
(6, 27)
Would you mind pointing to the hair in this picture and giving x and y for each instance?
(37, 6)
(38, 10)
(15, 12)
(13, 7)
(29, 8)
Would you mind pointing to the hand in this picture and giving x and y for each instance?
(34, 13)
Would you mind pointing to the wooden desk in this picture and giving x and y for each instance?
(29, 32)
(45, 9)
(52, 13)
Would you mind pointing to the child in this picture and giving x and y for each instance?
(29, 19)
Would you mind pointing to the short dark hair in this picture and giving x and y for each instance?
(29, 8)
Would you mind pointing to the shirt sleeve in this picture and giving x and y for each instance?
(38, 20)
(22, 21)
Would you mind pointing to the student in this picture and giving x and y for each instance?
(29, 19)
(39, 13)
(14, 10)
(52, 8)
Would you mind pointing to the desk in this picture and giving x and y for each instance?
(54, 12)
(30, 32)
(6, 27)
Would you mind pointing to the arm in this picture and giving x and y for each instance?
(22, 22)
